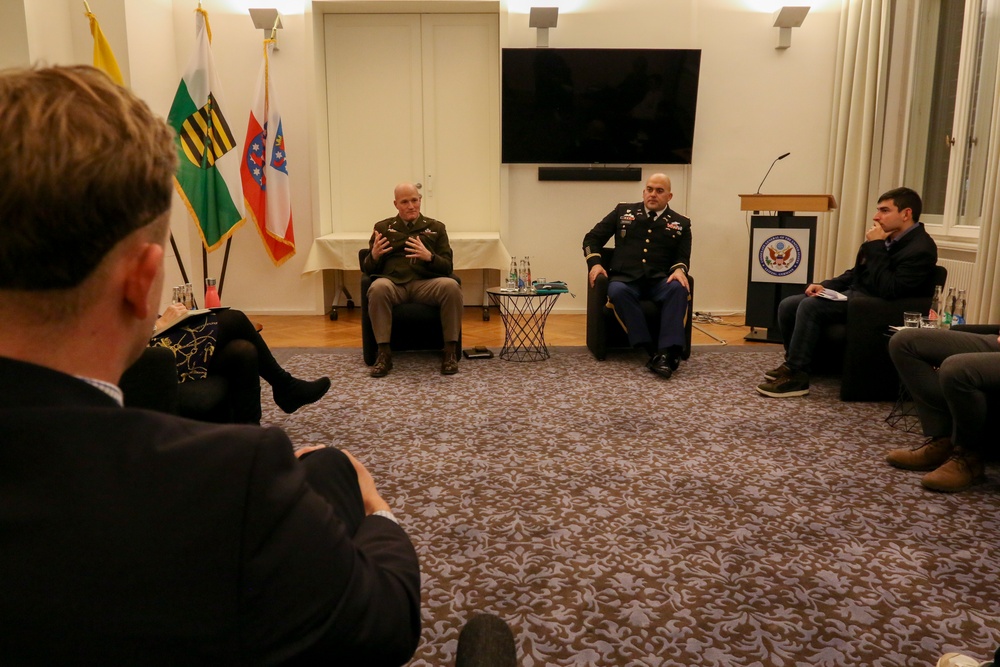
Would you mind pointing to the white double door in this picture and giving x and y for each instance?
(413, 97)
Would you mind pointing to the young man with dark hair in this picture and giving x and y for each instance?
(896, 260)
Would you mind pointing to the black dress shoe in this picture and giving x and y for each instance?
(660, 364)
(674, 358)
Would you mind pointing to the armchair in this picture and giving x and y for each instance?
(604, 332)
(415, 326)
(151, 382)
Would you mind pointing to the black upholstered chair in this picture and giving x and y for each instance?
(605, 332)
(858, 349)
(415, 326)
(151, 383)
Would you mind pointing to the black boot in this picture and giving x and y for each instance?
(449, 361)
(383, 363)
(290, 394)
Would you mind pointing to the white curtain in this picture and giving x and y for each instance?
(859, 87)
(984, 305)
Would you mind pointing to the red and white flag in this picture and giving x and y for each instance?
(264, 171)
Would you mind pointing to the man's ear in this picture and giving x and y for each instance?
(144, 268)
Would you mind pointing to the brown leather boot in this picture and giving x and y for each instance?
(449, 362)
(958, 473)
(927, 456)
(383, 363)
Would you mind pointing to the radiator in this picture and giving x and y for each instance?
(959, 274)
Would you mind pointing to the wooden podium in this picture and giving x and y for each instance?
(763, 297)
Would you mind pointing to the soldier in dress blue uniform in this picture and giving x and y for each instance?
(652, 255)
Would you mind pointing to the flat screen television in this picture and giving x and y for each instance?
(599, 106)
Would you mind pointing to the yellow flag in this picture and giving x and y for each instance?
(104, 57)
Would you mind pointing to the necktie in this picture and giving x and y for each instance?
(652, 215)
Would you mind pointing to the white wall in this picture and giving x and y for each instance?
(754, 103)
(14, 46)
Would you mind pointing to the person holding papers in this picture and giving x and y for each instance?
(896, 260)
(224, 342)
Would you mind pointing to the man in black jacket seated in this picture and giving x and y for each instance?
(652, 255)
(132, 536)
(896, 260)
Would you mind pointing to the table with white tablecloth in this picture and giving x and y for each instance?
(472, 250)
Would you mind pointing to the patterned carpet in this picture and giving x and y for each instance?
(613, 518)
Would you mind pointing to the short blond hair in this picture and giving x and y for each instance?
(83, 163)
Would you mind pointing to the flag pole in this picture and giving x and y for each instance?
(225, 263)
(180, 262)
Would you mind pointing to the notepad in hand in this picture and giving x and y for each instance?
(183, 318)
(832, 295)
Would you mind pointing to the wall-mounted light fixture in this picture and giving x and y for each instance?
(543, 18)
(785, 19)
(268, 20)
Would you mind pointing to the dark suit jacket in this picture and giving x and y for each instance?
(129, 537)
(905, 269)
(642, 250)
(395, 266)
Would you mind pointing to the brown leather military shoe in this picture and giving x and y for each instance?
(383, 364)
(958, 473)
(449, 364)
(927, 456)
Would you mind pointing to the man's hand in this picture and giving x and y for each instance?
(380, 246)
(373, 501)
(680, 276)
(814, 289)
(415, 249)
(302, 451)
(875, 233)
(596, 270)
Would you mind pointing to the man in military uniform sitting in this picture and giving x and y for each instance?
(652, 255)
(410, 260)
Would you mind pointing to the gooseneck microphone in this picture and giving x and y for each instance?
(780, 157)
